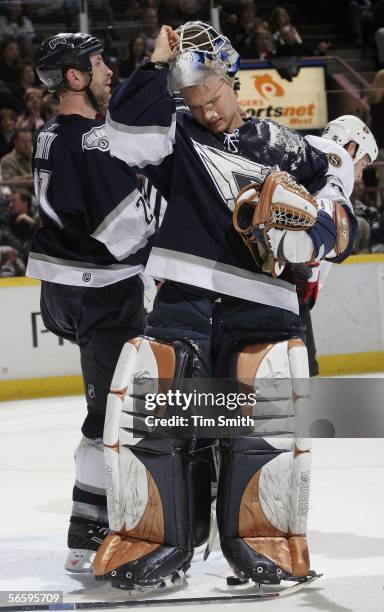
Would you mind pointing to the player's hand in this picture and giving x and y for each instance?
(165, 44)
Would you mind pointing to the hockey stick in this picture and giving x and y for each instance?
(132, 603)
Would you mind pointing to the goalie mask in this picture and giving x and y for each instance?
(202, 51)
(349, 128)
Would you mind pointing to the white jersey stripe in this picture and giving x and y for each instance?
(222, 278)
(155, 142)
(79, 274)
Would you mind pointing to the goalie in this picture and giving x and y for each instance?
(221, 311)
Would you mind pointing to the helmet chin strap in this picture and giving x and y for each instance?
(92, 98)
(89, 93)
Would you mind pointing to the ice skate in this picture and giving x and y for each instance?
(83, 541)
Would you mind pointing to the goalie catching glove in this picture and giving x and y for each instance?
(280, 221)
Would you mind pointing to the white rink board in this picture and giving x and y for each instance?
(349, 314)
(28, 349)
(347, 319)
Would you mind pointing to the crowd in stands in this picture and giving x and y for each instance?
(25, 106)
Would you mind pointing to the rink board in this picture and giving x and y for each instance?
(33, 361)
(348, 322)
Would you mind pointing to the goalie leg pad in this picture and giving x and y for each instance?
(264, 480)
(151, 482)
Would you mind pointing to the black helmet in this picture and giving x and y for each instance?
(65, 51)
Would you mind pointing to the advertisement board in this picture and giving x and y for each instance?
(300, 104)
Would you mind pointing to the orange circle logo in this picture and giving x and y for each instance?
(266, 86)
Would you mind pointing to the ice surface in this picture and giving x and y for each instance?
(346, 526)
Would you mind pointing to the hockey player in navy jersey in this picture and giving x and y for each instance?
(219, 312)
(89, 253)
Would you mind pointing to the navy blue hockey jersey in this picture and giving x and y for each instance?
(200, 174)
(96, 225)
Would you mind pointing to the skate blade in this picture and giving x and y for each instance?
(170, 584)
(284, 589)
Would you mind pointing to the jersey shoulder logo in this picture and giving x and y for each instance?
(51, 128)
(334, 159)
(96, 138)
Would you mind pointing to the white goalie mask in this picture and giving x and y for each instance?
(349, 128)
(201, 51)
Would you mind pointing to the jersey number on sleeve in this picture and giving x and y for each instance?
(42, 178)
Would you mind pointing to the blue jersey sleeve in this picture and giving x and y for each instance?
(141, 125)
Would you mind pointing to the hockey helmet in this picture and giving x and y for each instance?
(62, 51)
(348, 128)
(201, 50)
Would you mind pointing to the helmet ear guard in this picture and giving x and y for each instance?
(202, 50)
(348, 128)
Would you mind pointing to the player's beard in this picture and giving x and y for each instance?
(102, 97)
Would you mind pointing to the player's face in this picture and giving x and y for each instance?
(101, 79)
(360, 166)
(213, 104)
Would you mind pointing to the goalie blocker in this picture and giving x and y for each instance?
(280, 221)
(159, 490)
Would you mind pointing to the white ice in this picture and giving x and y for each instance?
(346, 526)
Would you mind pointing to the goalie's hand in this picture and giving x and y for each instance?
(266, 215)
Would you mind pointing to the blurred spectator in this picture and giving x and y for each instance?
(17, 164)
(135, 58)
(25, 80)
(7, 129)
(48, 11)
(363, 234)
(360, 18)
(31, 119)
(378, 26)
(192, 10)
(287, 43)
(100, 12)
(287, 39)
(134, 10)
(259, 44)
(280, 18)
(239, 24)
(168, 12)
(18, 223)
(16, 24)
(23, 221)
(151, 29)
(10, 263)
(49, 108)
(10, 53)
(7, 100)
(376, 103)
